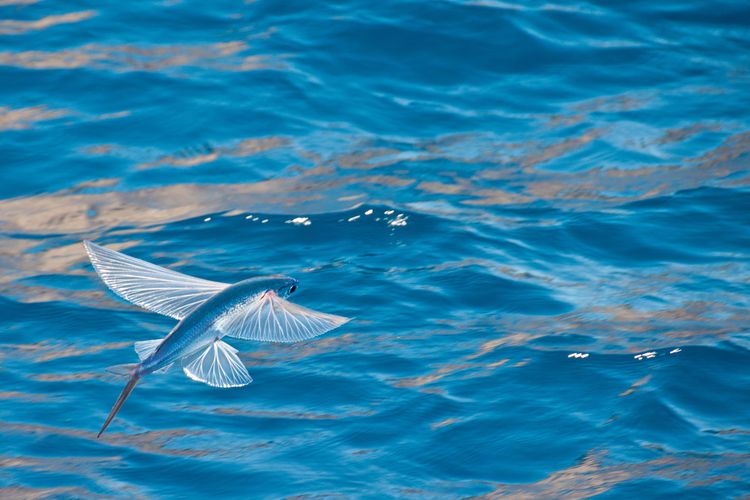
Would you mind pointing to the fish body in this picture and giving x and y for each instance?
(207, 311)
(199, 328)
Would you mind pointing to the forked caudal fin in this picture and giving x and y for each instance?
(120, 400)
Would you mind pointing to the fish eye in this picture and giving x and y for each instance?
(293, 288)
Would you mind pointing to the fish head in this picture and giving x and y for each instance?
(284, 286)
(281, 285)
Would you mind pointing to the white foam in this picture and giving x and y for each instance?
(299, 221)
(400, 220)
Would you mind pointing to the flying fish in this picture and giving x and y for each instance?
(207, 311)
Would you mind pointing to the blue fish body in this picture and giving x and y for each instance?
(197, 330)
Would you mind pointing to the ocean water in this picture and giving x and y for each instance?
(538, 214)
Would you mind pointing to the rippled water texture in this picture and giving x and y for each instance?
(537, 213)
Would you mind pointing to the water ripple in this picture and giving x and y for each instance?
(536, 214)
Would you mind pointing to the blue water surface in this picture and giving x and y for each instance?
(537, 213)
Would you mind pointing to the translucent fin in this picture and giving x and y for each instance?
(146, 348)
(150, 286)
(125, 370)
(217, 365)
(273, 319)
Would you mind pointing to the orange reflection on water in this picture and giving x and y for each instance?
(24, 118)
(13, 27)
(592, 477)
(156, 442)
(635, 385)
(223, 56)
(243, 148)
(44, 351)
(24, 396)
(280, 414)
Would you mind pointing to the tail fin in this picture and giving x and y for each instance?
(123, 396)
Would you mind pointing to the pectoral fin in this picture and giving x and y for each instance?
(273, 319)
(217, 365)
(150, 286)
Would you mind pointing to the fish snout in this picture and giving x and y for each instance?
(288, 287)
